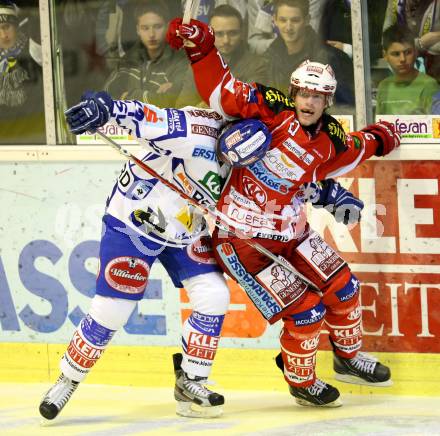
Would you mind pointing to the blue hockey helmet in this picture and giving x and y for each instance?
(243, 142)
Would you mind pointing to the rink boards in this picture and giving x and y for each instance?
(52, 200)
(234, 369)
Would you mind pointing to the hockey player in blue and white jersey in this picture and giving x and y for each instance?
(144, 221)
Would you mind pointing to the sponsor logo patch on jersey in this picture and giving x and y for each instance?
(213, 183)
(320, 256)
(201, 251)
(200, 129)
(243, 200)
(212, 115)
(354, 314)
(184, 181)
(283, 285)
(204, 153)
(153, 221)
(202, 346)
(298, 151)
(310, 344)
(261, 298)
(273, 97)
(295, 148)
(282, 166)
(233, 139)
(151, 116)
(293, 127)
(185, 217)
(300, 368)
(252, 144)
(268, 178)
(81, 354)
(209, 324)
(127, 274)
(176, 123)
(249, 218)
(254, 190)
(139, 190)
(356, 141)
(311, 316)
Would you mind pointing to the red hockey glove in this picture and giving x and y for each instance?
(386, 134)
(172, 36)
(201, 36)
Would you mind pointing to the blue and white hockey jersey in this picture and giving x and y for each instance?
(180, 146)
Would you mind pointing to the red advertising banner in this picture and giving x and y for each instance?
(394, 251)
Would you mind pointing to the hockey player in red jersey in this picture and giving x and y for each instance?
(262, 201)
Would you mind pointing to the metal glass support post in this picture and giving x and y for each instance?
(46, 43)
(361, 63)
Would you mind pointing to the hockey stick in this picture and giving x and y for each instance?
(212, 211)
(191, 8)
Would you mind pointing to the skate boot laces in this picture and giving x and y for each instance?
(197, 386)
(363, 369)
(316, 388)
(194, 400)
(318, 394)
(364, 362)
(57, 397)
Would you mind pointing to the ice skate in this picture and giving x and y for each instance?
(194, 400)
(363, 369)
(318, 394)
(57, 397)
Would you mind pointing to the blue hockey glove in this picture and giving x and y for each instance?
(243, 142)
(92, 112)
(341, 203)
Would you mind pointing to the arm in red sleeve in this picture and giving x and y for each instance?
(360, 146)
(378, 139)
(222, 92)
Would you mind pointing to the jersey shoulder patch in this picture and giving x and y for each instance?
(275, 99)
(335, 131)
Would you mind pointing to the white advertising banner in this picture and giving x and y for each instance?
(49, 239)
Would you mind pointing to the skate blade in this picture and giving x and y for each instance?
(347, 378)
(191, 410)
(302, 402)
(44, 422)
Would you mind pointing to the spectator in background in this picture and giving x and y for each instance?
(408, 91)
(422, 17)
(116, 27)
(21, 89)
(335, 26)
(230, 41)
(150, 71)
(206, 8)
(262, 30)
(297, 42)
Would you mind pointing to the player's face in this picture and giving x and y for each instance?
(8, 35)
(401, 57)
(151, 29)
(309, 106)
(291, 23)
(227, 34)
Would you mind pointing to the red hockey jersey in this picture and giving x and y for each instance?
(262, 199)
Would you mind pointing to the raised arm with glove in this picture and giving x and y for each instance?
(93, 111)
(198, 33)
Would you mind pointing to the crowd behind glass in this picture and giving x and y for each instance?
(119, 46)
